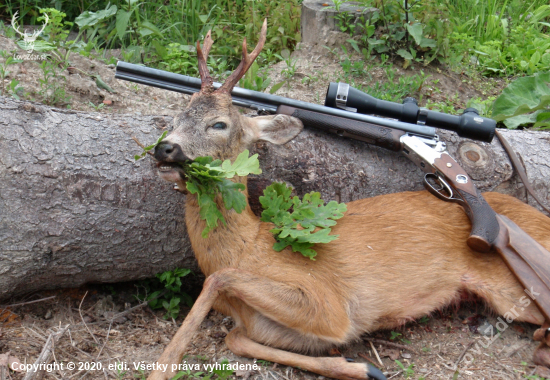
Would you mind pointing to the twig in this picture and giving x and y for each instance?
(395, 374)
(123, 313)
(141, 145)
(27, 303)
(376, 353)
(446, 365)
(106, 340)
(391, 344)
(47, 351)
(512, 353)
(463, 353)
(82, 318)
(368, 359)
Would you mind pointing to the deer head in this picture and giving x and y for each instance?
(212, 126)
(29, 39)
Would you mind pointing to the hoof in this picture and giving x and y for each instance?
(542, 335)
(542, 355)
(374, 373)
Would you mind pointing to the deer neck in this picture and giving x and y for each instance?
(225, 245)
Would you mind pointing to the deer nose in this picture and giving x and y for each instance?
(168, 152)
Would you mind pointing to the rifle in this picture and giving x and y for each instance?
(413, 135)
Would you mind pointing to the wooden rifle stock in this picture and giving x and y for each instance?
(525, 258)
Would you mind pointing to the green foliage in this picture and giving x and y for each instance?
(502, 37)
(150, 147)
(296, 221)
(207, 178)
(181, 59)
(483, 106)
(223, 373)
(254, 79)
(526, 101)
(52, 85)
(394, 335)
(407, 371)
(8, 59)
(164, 291)
(416, 31)
(151, 32)
(53, 39)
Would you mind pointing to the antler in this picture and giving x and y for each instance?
(13, 23)
(46, 19)
(246, 62)
(207, 83)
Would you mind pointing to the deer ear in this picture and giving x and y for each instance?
(276, 129)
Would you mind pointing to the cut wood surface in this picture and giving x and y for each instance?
(76, 208)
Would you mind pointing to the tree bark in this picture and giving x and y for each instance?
(76, 208)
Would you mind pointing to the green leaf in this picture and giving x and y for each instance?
(122, 18)
(160, 49)
(521, 98)
(209, 212)
(535, 58)
(101, 84)
(405, 54)
(276, 87)
(354, 45)
(87, 19)
(39, 45)
(242, 166)
(428, 43)
(207, 178)
(296, 220)
(152, 146)
(148, 28)
(415, 31)
(232, 195)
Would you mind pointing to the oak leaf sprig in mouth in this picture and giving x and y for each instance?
(207, 178)
(299, 223)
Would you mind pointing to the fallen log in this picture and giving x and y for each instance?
(76, 208)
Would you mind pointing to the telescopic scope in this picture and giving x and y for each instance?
(469, 124)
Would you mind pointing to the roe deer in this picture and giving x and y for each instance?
(398, 257)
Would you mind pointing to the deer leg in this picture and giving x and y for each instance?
(337, 368)
(283, 303)
(175, 350)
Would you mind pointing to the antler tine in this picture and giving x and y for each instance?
(46, 19)
(13, 22)
(246, 62)
(207, 83)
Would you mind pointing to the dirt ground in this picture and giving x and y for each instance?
(446, 345)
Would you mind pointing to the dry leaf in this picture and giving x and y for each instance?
(392, 353)
(12, 360)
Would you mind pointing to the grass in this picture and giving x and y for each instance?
(146, 31)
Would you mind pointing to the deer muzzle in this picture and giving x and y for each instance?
(169, 157)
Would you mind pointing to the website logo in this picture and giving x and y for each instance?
(29, 39)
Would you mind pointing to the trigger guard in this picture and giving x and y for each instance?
(435, 191)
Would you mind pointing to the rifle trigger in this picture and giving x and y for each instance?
(439, 187)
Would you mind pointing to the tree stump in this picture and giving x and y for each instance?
(319, 17)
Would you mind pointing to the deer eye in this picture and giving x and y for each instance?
(219, 125)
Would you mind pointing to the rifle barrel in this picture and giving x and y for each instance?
(252, 99)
